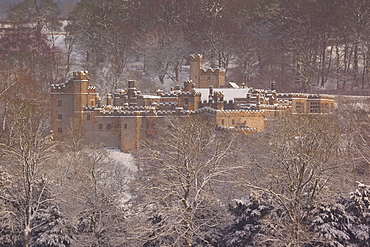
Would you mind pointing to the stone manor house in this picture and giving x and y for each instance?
(129, 116)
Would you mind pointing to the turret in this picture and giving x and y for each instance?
(195, 68)
(132, 93)
(69, 101)
(188, 86)
(109, 99)
(80, 75)
(273, 85)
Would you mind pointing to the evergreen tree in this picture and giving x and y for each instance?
(345, 223)
(248, 223)
(330, 224)
(51, 229)
(358, 208)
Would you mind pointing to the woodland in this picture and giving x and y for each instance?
(304, 181)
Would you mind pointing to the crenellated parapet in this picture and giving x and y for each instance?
(189, 86)
(206, 110)
(247, 129)
(80, 75)
(193, 93)
(240, 112)
(274, 107)
(211, 71)
(58, 87)
(118, 113)
(196, 57)
(171, 94)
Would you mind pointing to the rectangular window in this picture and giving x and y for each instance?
(60, 117)
(60, 102)
(125, 126)
(298, 107)
(109, 126)
(100, 126)
(92, 102)
(314, 107)
(222, 121)
(233, 122)
(88, 117)
(60, 130)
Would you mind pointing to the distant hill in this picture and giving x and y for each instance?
(64, 5)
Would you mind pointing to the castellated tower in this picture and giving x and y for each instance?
(195, 68)
(203, 78)
(132, 93)
(80, 90)
(68, 101)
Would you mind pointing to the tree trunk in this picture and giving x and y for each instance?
(26, 236)
(355, 65)
(338, 67)
(323, 55)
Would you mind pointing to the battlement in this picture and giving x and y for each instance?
(188, 85)
(211, 71)
(238, 128)
(260, 91)
(168, 104)
(321, 96)
(77, 76)
(80, 75)
(284, 102)
(238, 112)
(169, 94)
(195, 58)
(91, 108)
(206, 109)
(189, 93)
(273, 107)
(58, 86)
(305, 95)
(143, 113)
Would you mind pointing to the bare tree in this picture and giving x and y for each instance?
(103, 35)
(302, 158)
(178, 180)
(164, 50)
(27, 152)
(91, 188)
(352, 113)
(37, 13)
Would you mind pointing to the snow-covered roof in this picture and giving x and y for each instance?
(233, 85)
(230, 93)
(146, 96)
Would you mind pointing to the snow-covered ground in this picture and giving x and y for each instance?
(125, 159)
(121, 173)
